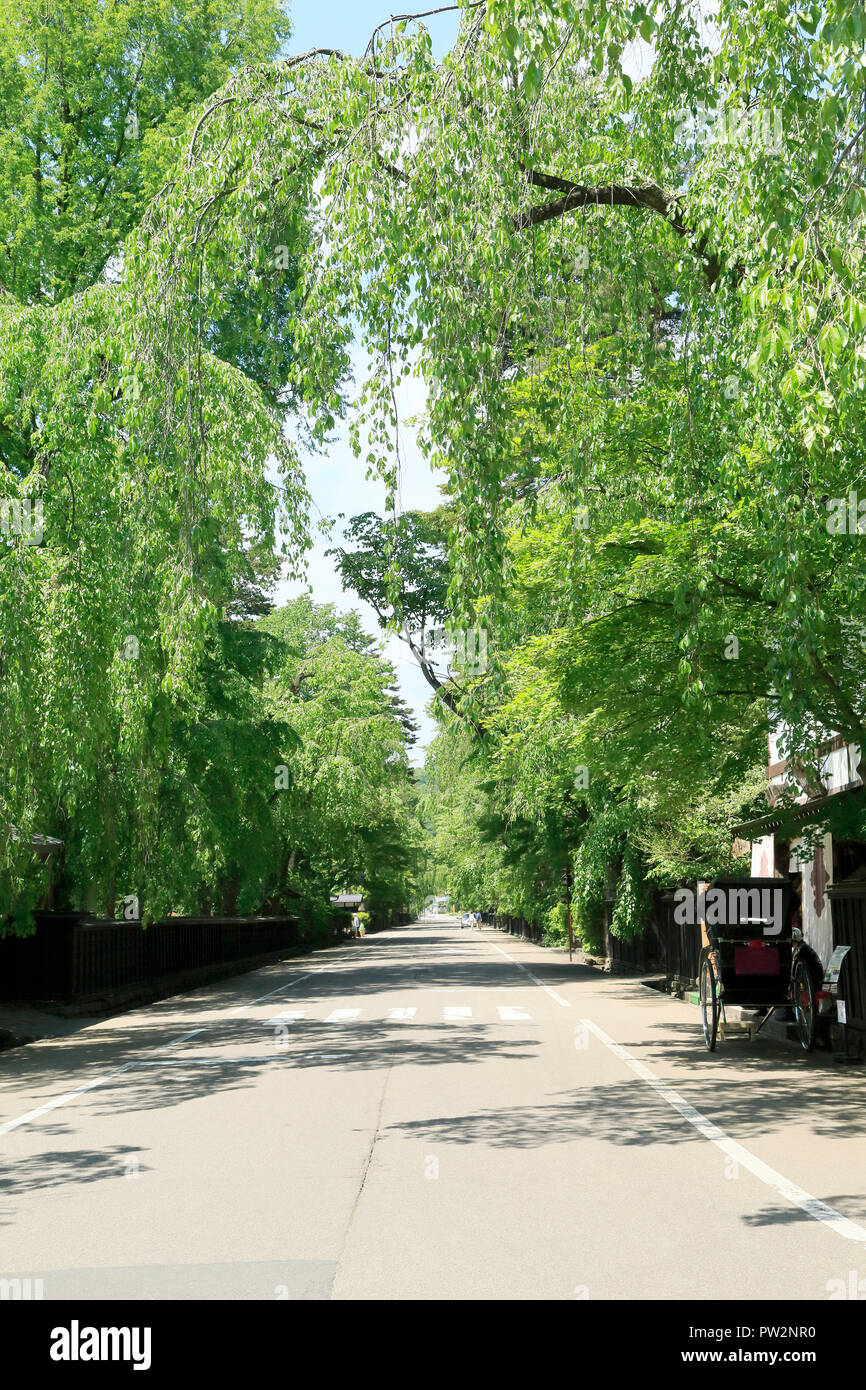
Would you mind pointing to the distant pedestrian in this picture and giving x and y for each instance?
(356, 924)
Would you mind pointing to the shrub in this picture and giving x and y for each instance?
(555, 931)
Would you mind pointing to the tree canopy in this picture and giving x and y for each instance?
(624, 246)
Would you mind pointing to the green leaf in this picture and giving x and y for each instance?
(832, 339)
(533, 78)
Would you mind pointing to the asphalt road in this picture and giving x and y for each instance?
(430, 1112)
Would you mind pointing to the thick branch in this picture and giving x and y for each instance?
(614, 195)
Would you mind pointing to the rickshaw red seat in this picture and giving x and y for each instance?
(756, 960)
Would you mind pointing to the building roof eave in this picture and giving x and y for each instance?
(789, 816)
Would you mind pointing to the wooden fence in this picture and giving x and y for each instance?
(675, 947)
(848, 909)
(666, 947)
(379, 921)
(516, 926)
(74, 956)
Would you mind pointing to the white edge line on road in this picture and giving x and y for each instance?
(62, 1100)
(813, 1206)
(183, 1060)
(271, 992)
(55, 1104)
(177, 1041)
(552, 992)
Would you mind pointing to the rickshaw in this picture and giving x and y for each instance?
(756, 959)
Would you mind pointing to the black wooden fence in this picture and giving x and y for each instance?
(675, 947)
(381, 921)
(516, 926)
(848, 909)
(631, 954)
(378, 921)
(667, 947)
(72, 956)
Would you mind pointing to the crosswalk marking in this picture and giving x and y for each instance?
(451, 1013)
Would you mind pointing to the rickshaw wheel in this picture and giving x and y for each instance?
(709, 1005)
(804, 1005)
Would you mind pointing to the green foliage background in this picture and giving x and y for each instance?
(642, 334)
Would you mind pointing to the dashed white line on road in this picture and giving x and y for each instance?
(452, 1013)
(288, 1016)
(767, 1175)
(400, 1014)
(512, 1013)
(343, 1015)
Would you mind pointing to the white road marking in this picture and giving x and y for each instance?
(67, 1096)
(453, 1012)
(813, 1206)
(80, 1090)
(284, 1057)
(343, 1015)
(477, 989)
(511, 1013)
(183, 1059)
(399, 1014)
(177, 1041)
(287, 984)
(63, 1100)
(289, 1016)
(552, 992)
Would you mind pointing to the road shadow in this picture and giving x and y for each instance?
(631, 1114)
(197, 1071)
(851, 1204)
(62, 1063)
(56, 1167)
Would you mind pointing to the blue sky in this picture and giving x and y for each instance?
(348, 24)
(335, 477)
